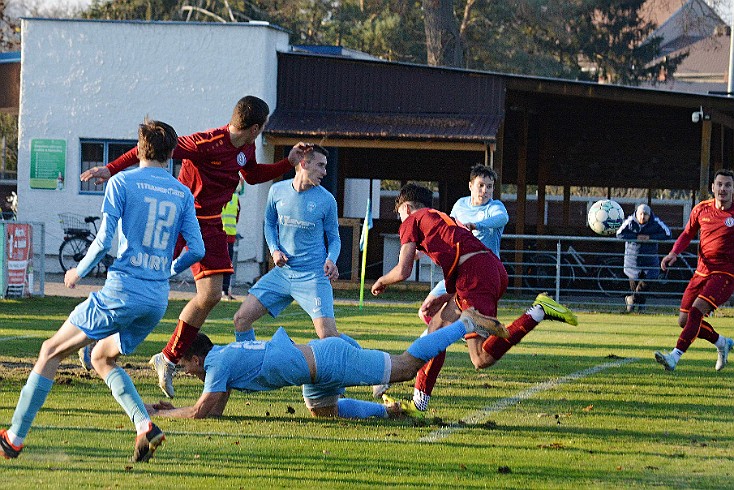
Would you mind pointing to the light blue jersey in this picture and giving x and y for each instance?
(277, 363)
(152, 208)
(255, 365)
(296, 223)
(490, 220)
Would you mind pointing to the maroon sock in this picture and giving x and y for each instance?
(707, 332)
(497, 347)
(180, 341)
(690, 331)
(426, 378)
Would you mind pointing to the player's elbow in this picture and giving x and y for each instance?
(198, 252)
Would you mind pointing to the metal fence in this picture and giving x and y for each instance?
(588, 271)
(583, 271)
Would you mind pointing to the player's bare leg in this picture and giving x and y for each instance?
(694, 326)
(248, 313)
(325, 327)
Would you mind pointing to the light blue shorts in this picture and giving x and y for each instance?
(312, 290)
(102, 315)
(339, 364)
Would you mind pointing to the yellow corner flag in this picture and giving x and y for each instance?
(363, 248)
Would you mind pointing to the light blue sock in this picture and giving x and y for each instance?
(428, 347)
(244, 336)
(126, 395)
(358, 409)
(32, 397)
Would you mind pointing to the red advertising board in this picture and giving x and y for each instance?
(19, 251)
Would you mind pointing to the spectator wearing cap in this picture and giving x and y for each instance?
(641, 260)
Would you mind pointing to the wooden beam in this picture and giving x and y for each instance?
(522, 163)
(703, 180)
(498, 160)
(399, 145)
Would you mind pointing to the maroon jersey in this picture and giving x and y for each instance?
(441, 238)
(211, 167)
(716, 234)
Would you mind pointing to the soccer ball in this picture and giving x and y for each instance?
(605, 217)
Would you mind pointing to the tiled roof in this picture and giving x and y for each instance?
(386, 126)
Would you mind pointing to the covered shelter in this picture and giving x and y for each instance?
(405, 122)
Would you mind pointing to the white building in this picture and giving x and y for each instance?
(86, 85)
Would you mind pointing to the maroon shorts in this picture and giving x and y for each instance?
(216, 256)
(481, 282)
(715, 289)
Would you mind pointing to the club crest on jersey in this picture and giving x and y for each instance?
(311, 206)
(241, 159)
(729, 222)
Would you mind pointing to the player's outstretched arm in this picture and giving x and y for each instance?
(668, 260)
(208, 405)
(400, 272)
(99, 174)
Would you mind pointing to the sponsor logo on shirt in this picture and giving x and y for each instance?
(296, 223)
(241, 159)
(148, 261)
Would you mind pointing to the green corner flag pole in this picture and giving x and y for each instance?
(363, 247)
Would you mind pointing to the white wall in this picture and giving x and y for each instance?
(99, 79)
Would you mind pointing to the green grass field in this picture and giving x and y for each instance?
(570, 407)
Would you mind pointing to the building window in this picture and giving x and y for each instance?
(96, 153)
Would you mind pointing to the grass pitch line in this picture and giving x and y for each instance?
(481, 416)
(16, 337)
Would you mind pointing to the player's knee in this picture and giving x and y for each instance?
(242, 319)
(209, 301)
(482, 362)
(326, 328)
(49, 350)
(99, 360)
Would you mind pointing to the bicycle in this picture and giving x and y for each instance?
(608, 274)
(79, 232)
(541, 272)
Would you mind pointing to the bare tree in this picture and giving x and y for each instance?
(445, 35)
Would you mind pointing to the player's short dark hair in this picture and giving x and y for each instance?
(248, 111)
(320, 149)
(200, 347)
(417, 195)
(156, 140)
(480, 170)
(725, 172)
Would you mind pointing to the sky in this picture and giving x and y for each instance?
(63, 4)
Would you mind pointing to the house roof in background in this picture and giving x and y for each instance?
(690, 23)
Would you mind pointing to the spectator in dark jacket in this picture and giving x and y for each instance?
(641, 261)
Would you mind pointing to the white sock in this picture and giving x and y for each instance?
(14, 439)
(536, 313)
(142, 427)
(421, 400)
(676, 353)
(721, 342)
